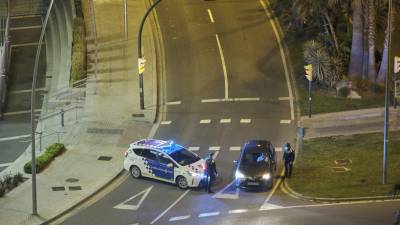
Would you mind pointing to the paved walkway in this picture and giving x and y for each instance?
(102, 126)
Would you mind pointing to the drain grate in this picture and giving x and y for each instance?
(75, 188)
(59, 188)
(104, 131)
(138, 115)
(105, 158)
(72, 180)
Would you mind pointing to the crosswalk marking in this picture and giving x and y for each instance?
(179, 218)
(174, 103)
(245, 120)
(166, 122)
(205, 121)
(225, 121)
(208, 214)
(214, 148)
(234, 148)
(194, 148)
(286, 121)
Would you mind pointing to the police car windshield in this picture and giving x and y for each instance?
(184, 157)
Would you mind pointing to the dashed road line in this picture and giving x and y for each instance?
(15, 137)
(167, 122)
(237, 211)
(174, 103)
(245, 120)
(286, 121)
(179, 218)
(284, 98)
(5, 164)
(225, 121)
(215, 155)
(205, 121)
(234, 148)
(194, 148)
(211, 16)
(170, 207)
(208, 214)
(211, 100)
(214, 148)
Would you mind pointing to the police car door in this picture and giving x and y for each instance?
(165, 168)
(150, 162)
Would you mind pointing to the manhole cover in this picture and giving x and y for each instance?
(343, 162)
(138, 115)
(105, 158)
(340, 169)
(72, 180)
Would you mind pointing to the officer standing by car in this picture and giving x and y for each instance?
(288, 157)
(211, 171)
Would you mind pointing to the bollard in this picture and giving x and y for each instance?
(62, 117)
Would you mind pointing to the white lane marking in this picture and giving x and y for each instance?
(229, 100)
(266, 205)
(194, 148)
(174, 103)
(245, 120)
(211, 16)
(278, 38)
(214, 148)
(166, 122)
(27, 91)
(220, 194)
(234, 148)
(215, 155)
(278, 149)
(284, 98)
(15, 137)
(20, 112)
(205, 121)
(235, 211)
(179, 218)
(225, 121)
(172, 205)
(208, 214)
(5, 164)
(223, 67)
(143, 195)
(286, 121)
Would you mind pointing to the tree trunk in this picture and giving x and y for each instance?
(365, 40)
(384, 63)
(371, 41)
(356, 55)
(332, 31)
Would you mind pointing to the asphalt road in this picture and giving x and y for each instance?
(225, 84)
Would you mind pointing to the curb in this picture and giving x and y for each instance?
(297, 195)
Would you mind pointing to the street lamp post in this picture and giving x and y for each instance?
(140, 55)
(385, 133)
(33, 103)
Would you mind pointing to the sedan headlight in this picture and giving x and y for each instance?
(266, 176)
(239, 175)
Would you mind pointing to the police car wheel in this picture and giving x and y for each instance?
(182, 183)
(135, 172)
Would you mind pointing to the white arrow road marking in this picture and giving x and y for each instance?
(220, 194)
(172, 205)
(125, 206)
(215, 155)
(266, 205)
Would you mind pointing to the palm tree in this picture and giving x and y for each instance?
(356, 54)
(371, 40)
(317, 55)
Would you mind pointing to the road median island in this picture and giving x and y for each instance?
(343, 167)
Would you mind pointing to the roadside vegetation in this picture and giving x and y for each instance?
(9, 182)
(78, 57)
(364, 178)
(46, 158)
(345, 42)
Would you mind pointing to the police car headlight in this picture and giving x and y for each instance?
(266, 176)
(239, 175)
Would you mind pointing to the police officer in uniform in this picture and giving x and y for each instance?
(288, 157)
(211, 171)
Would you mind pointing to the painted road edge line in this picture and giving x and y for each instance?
(223, 67)
(15, 137)
(211, 16)
(170, 207)
(179, 218)
(208, 214)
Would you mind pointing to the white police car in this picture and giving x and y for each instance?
(166, 161)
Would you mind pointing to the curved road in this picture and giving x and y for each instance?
(225, 84)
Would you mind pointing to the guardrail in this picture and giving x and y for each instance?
(4, 60)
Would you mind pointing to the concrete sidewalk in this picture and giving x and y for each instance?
(348, 122)
(103, 128)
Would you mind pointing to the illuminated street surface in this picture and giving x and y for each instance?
(226, 82)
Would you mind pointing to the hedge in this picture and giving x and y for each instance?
(45, 159)
(78, 55)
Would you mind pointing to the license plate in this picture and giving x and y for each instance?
(253, 183)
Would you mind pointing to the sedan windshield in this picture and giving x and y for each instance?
(254, 158)
(184, 157)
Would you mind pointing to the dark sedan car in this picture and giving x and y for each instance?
(256, 165)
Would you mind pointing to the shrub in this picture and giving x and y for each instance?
(344, 92)
(17, 178)
(44, 160)
(78, 56)
(2, 189)
(377, 88)
(8, 181)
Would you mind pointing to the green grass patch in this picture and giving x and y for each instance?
(313, 175)
(45, 159)
(78, 56)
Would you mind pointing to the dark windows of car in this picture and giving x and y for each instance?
(149, 154)
(254, 157)
(184, 157)
(164, 159)
(138, 151)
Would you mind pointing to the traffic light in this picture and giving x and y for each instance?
(396, 64)
(308, 71)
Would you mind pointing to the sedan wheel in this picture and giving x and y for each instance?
(182, 183)
(135, 172)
